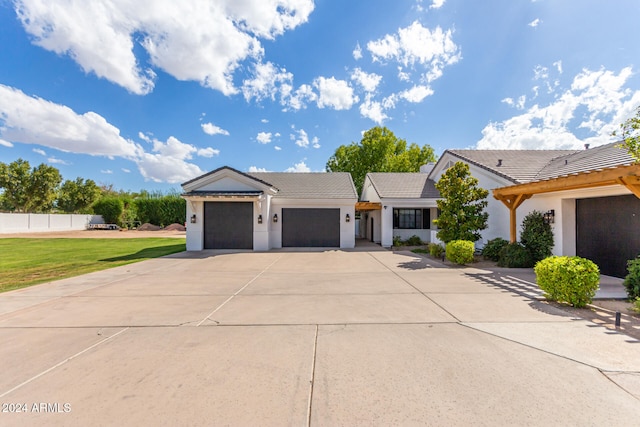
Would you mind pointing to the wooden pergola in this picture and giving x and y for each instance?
(368, 206)
(514, 195)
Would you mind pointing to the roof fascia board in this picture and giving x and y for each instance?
(226, 172)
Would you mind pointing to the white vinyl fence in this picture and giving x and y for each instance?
(34, 223)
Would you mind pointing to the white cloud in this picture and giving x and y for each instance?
(5, 143)
(125, 170)
(106, 171)
(535, 23)
(56, 161)
(558, 65)
(211, 129)
(39, 151)
(207, 44)
(208, 152)
(336, 94)
(437, 4)
(519, 103)
(277, 148)
(315, 142)
(267, 79)
(357, 52)
(415, 45)
(368, 81)
(297, 99)
(31, 120)
(301, 139)
(416, 94)
(299, 167)
(593, 106)
(373, 110)
(257, 169)
(264, 121)
(264, 137)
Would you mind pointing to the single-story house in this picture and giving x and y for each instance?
(591, 197)
(229, 209)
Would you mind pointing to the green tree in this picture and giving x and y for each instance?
(537, 236)
(29, 190)
(379, 151)
(630, 133)
(461, 205)
(77, 196)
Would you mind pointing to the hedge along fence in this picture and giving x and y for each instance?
(571, 280)
(161, 211)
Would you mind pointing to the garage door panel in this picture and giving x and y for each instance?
(608, 232)
(310, 227)
(228, 225)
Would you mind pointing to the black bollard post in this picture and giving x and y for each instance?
(617, 319)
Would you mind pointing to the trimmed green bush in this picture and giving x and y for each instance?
(436, 250)
(536, 236)
(571, 280)
(110, 208)
(397, 241)
(413, 241)
(460, 251)
(515, 255)
(632, 280)
(636, 305)
(493, 247)
(161, 210)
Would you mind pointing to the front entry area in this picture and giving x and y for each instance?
(608, 232)
(311, 228)
(228, 225)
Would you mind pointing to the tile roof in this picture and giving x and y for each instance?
(403, 185)
(518, 166)
(602, 157)
(313, 185)
(522, 166)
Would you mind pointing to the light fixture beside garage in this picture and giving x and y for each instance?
(193, 219)
(549, 216)
(275, 217)
(347, 218)
(260, 219)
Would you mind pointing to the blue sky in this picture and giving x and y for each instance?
(151, 93)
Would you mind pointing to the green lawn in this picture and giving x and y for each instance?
(27, 261)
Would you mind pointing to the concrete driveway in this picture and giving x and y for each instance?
(322, 338)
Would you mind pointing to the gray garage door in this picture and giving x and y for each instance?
(228, 225)
(608, 232)
(311, 228)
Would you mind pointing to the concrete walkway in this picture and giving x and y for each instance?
(362, 337)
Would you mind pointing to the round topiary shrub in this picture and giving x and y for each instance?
(493, 247)
(632, 280)
(572, 280)
(514, 255)
(460, 251)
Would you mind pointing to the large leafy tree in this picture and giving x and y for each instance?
(630, 133)
(77, 196)
(461, 205)
(379, 151)
(29, 190)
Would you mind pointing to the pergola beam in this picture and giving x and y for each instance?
(514, 195)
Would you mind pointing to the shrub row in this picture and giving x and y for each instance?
(125, 212)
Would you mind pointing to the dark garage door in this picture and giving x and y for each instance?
(608, 232)
(228, 225)
(311, 228)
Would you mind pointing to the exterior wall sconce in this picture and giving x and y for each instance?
(347, 218)
(385, 207)
(275, 217)
(549, 216)
(193, 219)
(260, 219)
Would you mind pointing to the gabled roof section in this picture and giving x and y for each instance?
(518, 166)
(312, 185)
(221, 172)
(598, 158)
(403, 185)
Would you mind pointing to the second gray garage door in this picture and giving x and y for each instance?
(311, 228)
